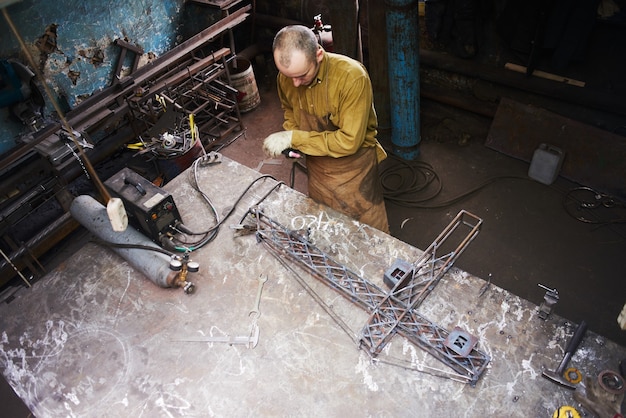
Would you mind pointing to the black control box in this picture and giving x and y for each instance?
(151, 209)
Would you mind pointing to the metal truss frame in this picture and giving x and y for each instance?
(390, 312)
(416, 284)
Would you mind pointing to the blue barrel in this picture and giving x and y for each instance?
(404, 88)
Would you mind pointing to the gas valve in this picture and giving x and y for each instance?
(323, 33)
(183, 266)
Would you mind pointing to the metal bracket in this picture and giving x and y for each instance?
(549, 300)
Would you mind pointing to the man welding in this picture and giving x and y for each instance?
(329, 116)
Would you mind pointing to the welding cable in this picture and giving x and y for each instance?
(212, 232)
(241, 196)
(409, 178)
(133, 246)
(421, 175)
(182, 229)
(265, 196)
(187, 246)
(590, 206)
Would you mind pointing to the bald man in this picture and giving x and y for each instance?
(329, 117)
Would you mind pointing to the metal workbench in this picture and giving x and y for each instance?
(97, 338)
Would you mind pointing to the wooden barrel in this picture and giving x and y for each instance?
(242, 79)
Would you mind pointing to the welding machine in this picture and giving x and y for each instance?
(150, 208)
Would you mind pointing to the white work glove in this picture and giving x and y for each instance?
(277, 142)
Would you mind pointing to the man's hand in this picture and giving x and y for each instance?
(277, 142)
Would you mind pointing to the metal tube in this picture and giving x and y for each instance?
(154, 265)
(404, 89)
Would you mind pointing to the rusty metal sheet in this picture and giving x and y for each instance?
(96, 338)
(593, 157)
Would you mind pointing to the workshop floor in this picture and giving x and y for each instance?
(527, 238)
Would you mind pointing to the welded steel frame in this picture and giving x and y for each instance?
(284, 243)
(411, 291)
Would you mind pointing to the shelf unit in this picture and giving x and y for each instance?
(206, 94)
(209, 96)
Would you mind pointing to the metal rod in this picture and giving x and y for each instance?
(16, 269)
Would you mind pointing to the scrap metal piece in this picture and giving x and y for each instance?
(250, 341)
(549, 300)
(461, 342)
(284, 243)
(485, 287)
(612, 382)
(573, 375)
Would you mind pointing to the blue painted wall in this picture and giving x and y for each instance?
(87, 29)
(86, 57)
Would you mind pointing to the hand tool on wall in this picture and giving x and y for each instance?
(557, 375)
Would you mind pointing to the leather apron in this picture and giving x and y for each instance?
(350, 184)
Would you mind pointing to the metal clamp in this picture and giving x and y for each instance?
(549, 300)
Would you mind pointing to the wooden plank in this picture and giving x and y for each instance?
(542, 74)
(593, 157)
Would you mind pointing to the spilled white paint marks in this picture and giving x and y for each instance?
(362, 368)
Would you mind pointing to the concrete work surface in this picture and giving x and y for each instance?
(97, 338)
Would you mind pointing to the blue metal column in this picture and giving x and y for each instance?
(404, 87)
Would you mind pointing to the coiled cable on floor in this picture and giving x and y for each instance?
(404, 181)
(588, 205)
(406, 178)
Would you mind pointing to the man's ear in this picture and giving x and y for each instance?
(319, 54)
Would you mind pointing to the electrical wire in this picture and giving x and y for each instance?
(133, 246)
(415, 184)
(404, 182)
(590, 206)
(210, 234)
(276, 186)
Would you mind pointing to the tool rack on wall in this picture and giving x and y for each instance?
(209, 96)
(206, 94)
